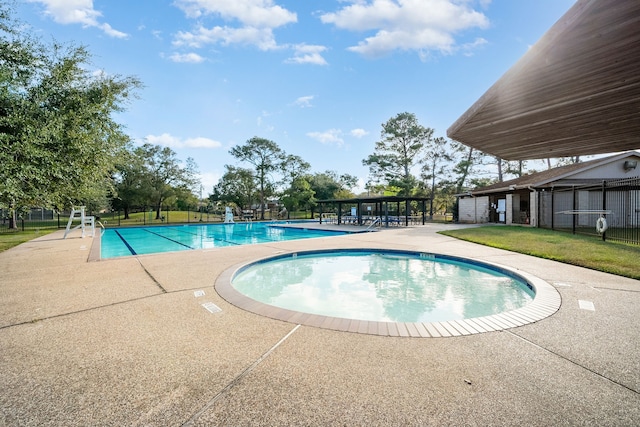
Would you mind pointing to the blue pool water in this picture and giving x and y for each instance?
(383, 285)
(117, 242)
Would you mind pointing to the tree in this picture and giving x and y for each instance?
(267, 158)
(293, 167)
(463, 168)
(434, 169)
(299, 195)
(516, 168)
(184, 199)
(237, 186)
(165, 174)
(151, 175)
(402, 141)
(505, 167)
(297, 192)
(330, 185)
(132, 184)
(347, 183)
(58, 140)
(444, 198)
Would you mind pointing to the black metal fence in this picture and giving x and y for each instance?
(37, 218)
(578, 209)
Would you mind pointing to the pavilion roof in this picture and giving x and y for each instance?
(575, 92)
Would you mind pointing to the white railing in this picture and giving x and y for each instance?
(377, 221)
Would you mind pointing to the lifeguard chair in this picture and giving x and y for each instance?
(228, 215)
(77, 212)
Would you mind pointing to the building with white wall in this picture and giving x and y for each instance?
(519, 201)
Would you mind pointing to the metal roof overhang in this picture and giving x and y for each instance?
(575, 92)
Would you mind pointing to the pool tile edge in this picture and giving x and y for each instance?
(546, 302)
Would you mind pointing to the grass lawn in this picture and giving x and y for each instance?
(584, 251)
(9, 240)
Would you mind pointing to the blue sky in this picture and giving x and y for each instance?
(316, 77)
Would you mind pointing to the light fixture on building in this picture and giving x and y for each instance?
(630, 164)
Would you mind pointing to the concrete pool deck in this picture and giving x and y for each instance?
(136, 341)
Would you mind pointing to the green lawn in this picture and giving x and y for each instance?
(9, 240)
(584, 251)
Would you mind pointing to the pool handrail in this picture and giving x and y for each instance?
(377, 221)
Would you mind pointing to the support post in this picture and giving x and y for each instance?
(553, 215)
(574, 217)
(604, 207)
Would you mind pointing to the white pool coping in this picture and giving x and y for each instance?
(546, 302)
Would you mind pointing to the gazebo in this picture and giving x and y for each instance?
(369, 209)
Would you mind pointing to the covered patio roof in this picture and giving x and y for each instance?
(382, 207)
(575, 92)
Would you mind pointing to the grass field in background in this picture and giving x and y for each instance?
(181, 217)
(149, 218)
(583, 251)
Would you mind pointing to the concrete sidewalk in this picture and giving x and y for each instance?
(127, 342)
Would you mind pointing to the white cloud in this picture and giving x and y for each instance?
(165, 140)
(304, 101)
(468, 49)
(360, 186)
(335, 136)
(77, 12)
(308, 54)
(246, 22)
(255, 19)
(208, 181)
(200, 142)
(262, 38)
(267, 127)
(358, 133)
(112, 32)
(192, 58)
(412, 25)
(171, 141)
(331, 136)
(255, 13)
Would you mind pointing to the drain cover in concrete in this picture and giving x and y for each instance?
(586, 305)
(212, 307)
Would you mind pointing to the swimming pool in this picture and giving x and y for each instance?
(117, 242)
(388, 292)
